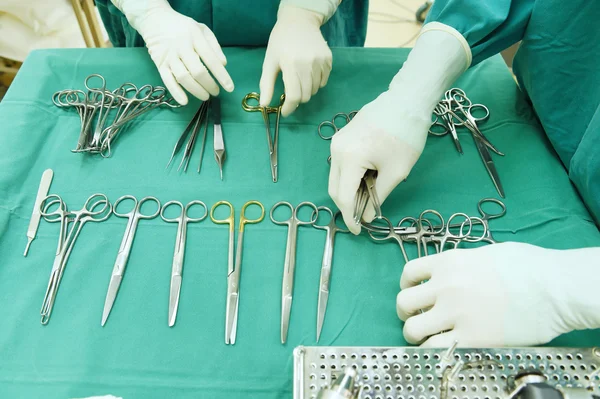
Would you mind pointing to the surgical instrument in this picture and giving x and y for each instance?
(190, 133)
(346, 118)
(331, 229)
(272, 142)
(103, 113)
(234, 271)
(67, 237)
(218, 142)
(133, 217)
(42, 193)
(203, 142)
(289, 268)
(178, 256)
(367, 192)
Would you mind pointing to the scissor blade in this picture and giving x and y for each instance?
(111, 295)
(489, 165)
(322, 307)
(174, 299)
(286, 308)
(231, 316)
(273, 158)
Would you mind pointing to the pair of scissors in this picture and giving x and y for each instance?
(182, 221)
(332, 124)
(233, 271)
(133, 216)
(272, 143)
(331, 229)
(289, 266)
(67, 238)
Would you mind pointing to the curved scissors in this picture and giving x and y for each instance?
(233, 272)
(133, 216)
(65, 244)
(331, 229)
(287, 288)
(272, 143)
(346, 118)
(178, 256)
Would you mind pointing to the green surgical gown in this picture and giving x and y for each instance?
(242, 23)
(557, 66)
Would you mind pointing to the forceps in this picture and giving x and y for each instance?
(289, 267)
(67, 238)
(332, 229)
(133, 217)
(333, 125)
(233, 272)
(391, 234)
(272, 143)
(177, 269)
(366, 192)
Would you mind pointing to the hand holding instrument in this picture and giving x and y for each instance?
(178, 256)
(42, 193)
(289, 266)
(118, 271)
(218, 142)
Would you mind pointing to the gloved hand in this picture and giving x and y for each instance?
(297, 49)
(181, 48)
(389, 133)
(509, 294)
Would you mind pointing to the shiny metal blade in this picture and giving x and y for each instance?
(174, 299)
(111, 295)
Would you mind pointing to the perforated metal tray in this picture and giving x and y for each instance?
(416, 373)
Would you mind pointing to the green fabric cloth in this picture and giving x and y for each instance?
(242, 23)
(556, 65)
(136, 355)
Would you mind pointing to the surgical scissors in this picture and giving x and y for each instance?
(487, 216)
(233, 272)
(67, 238)
(287, 288)
(331, 229)
(333, 125)
(272, 143)
(391, 234)
(118, 271)
(178, 256)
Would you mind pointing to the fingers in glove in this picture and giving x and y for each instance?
(421, 326)
(172, 85)
(325, 72)
(212, 62)
(417, 271)
(200, 73)
(267, 81)
(350, 174)
(409, 301)
(385, 184)
(213, 43)
(187, 81)
(305, 86)
(293, 91)
(444, 340)
(317, 73)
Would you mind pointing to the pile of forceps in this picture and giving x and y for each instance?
(272, 141)
(430, 229)
(104, 113)
(456, 110)
(287, 289)
(191, 134)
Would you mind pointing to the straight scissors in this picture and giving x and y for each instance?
(289, 267)
(133, 216)
(177, 269)
(233, 272)
(67, 238)
(272, 143)
(332, 229)
(346, 118)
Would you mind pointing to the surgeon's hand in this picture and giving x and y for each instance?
(297, 49)
(183, 50)
(507, 294)
(387, 135)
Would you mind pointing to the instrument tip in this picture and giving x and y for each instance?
(27, 247)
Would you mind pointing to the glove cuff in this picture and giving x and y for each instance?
(441, 54)
(322, 9)
(137, 11)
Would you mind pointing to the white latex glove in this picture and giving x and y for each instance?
(297, 49)
(181, 48)
(509, 294)
(389, 133)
